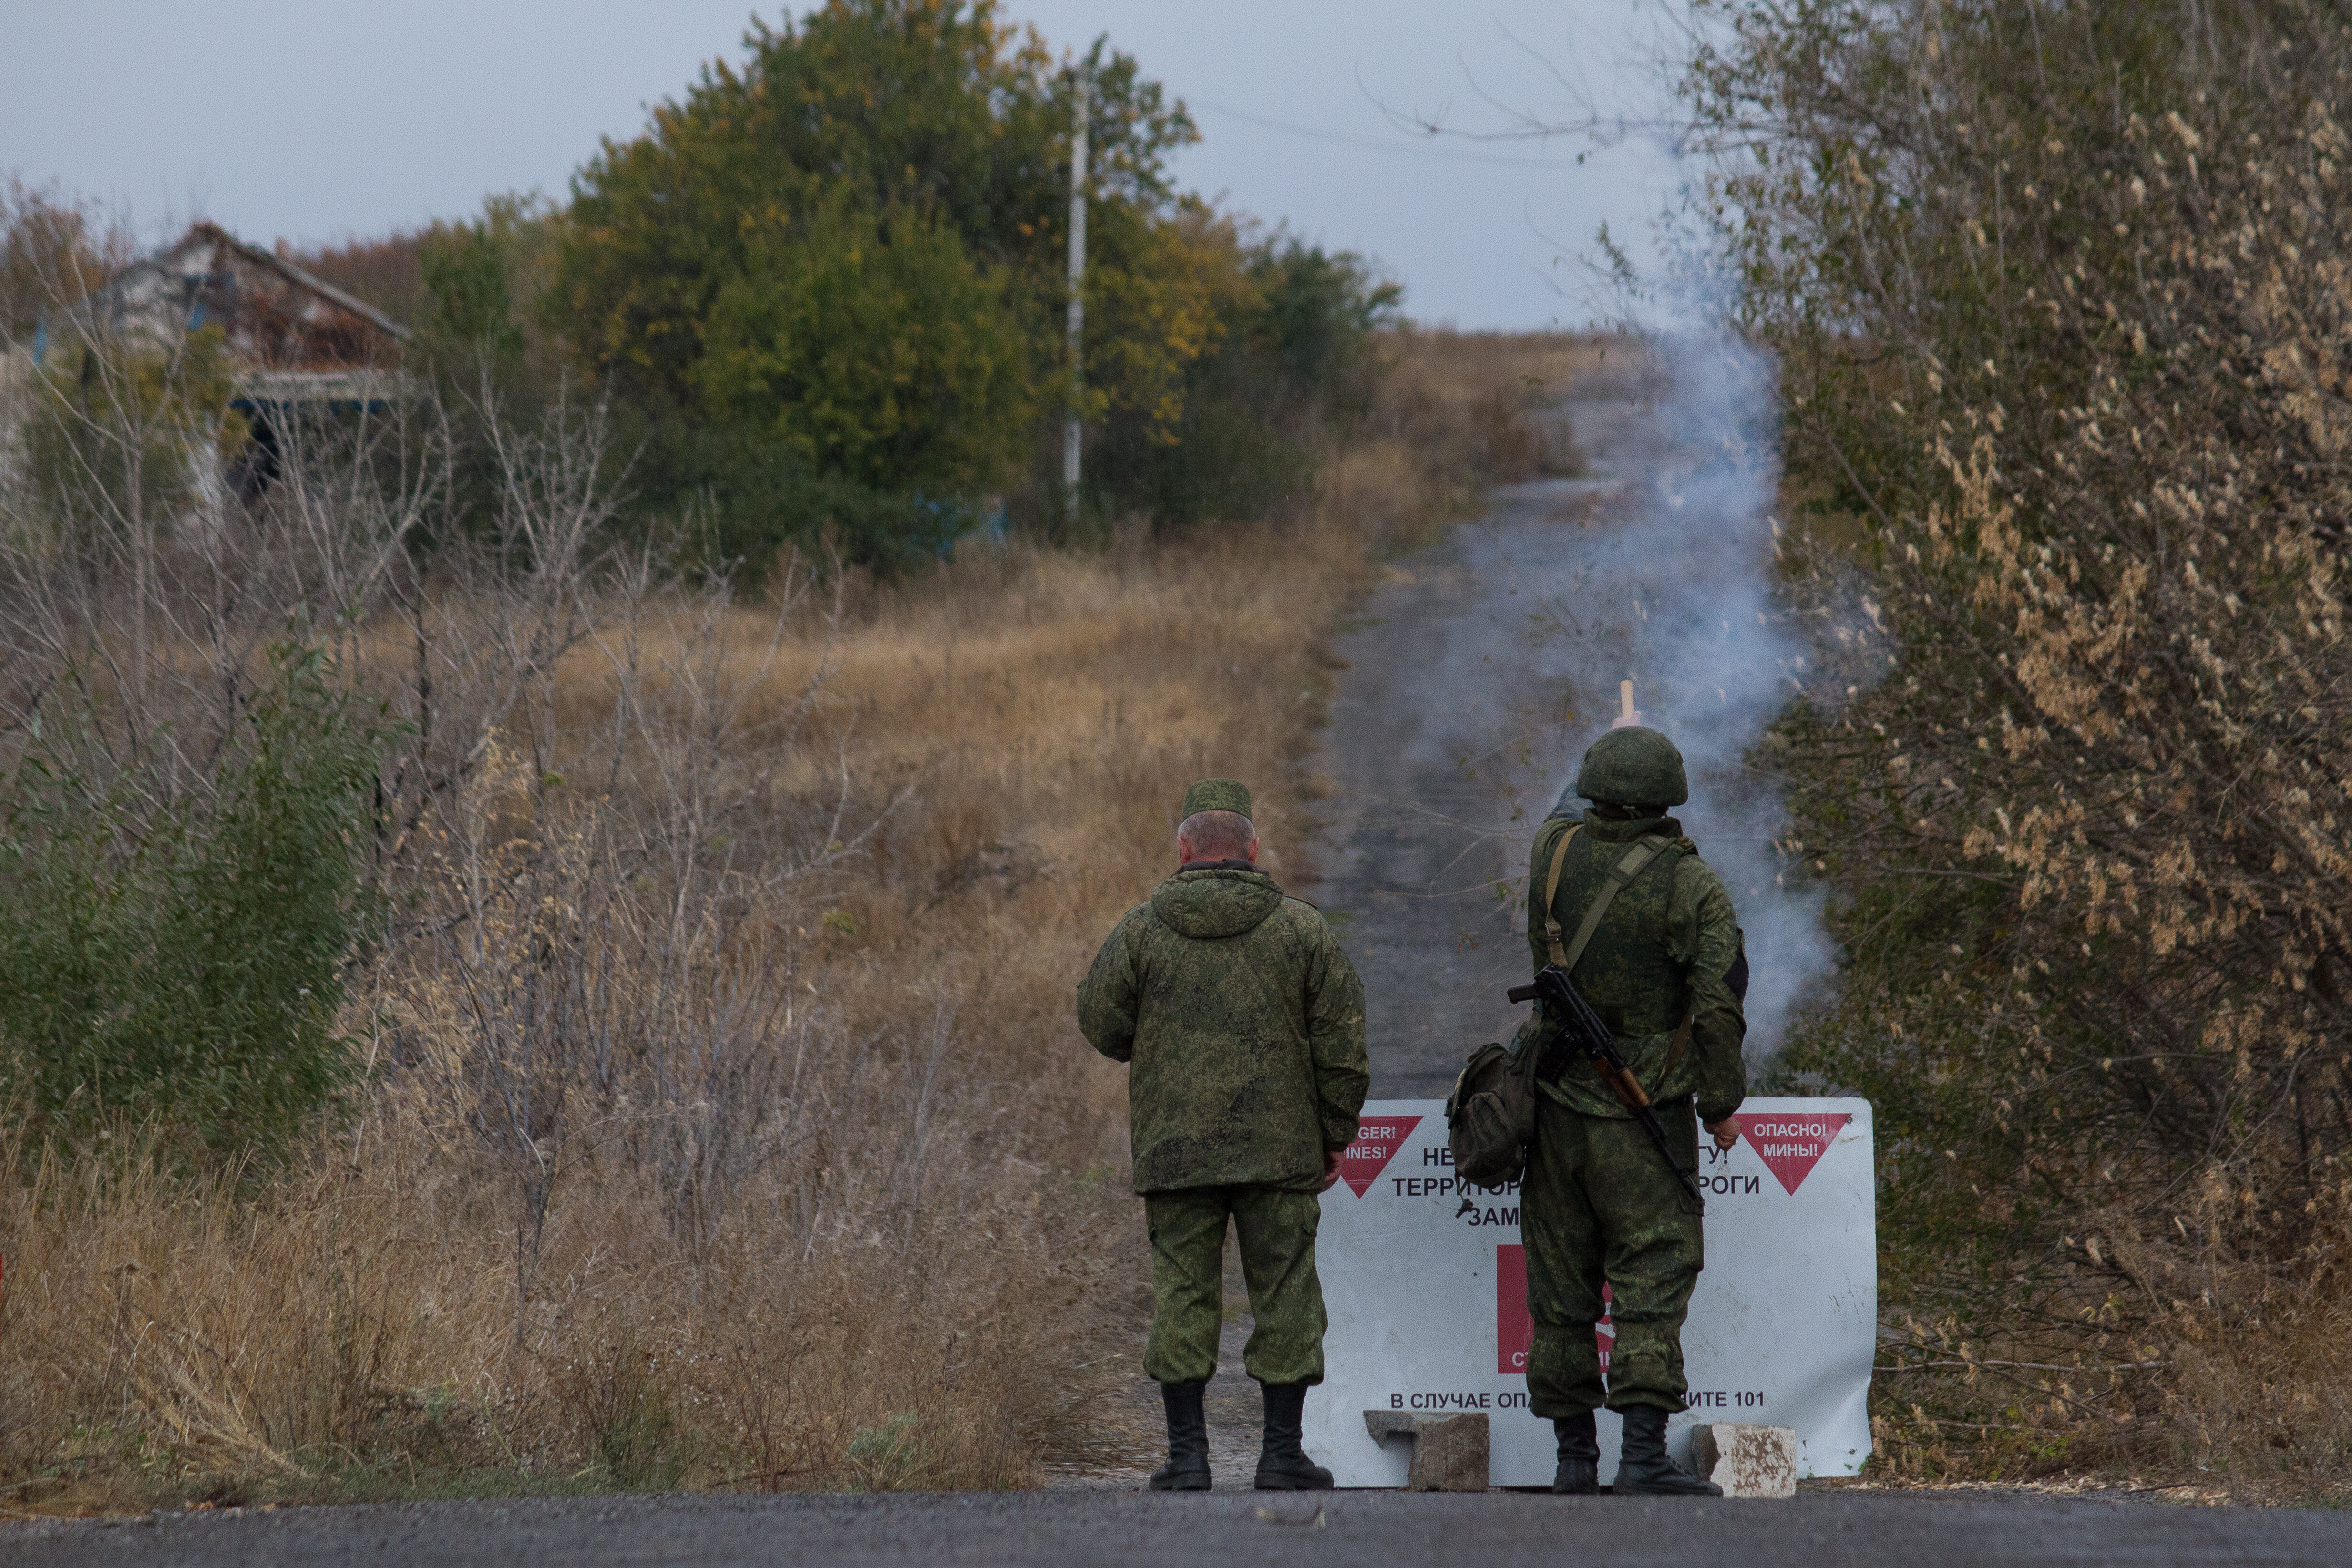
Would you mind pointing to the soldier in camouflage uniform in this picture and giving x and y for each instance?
(1666, 970)
(1244, 1025)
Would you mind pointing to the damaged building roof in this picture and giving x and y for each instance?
(294, 338)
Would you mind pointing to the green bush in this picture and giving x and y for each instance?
(830, 278)
(181, 956)
(822, 297)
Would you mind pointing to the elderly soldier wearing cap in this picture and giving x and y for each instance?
(1665, 968)
(1244, 1025)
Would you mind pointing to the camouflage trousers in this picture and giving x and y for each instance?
(1276, 1232)
(1597, 1204)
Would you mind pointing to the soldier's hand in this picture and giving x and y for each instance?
(1725, 1133)
(1330, 1169)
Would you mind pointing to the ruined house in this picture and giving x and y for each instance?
(299, 345)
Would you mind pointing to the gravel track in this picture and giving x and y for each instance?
(1440, 756)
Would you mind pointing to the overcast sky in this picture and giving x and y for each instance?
(317, 122)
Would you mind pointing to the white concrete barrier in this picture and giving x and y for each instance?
(1427, 1283)
(1746, 1461)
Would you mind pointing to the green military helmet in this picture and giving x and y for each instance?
(1633, 766)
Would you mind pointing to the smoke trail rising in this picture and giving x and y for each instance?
(1671, 586)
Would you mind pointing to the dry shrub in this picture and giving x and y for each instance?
(2266, 1401)
(54, 250)
(2061, 294)
(724, 1123)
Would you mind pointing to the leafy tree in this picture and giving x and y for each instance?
(825, 290)
(874, 348)
(2059, 294)
(483, 275)
(53, 251)
(1288, 351)
(852, 244)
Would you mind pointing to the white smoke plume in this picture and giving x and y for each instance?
(1670, 585)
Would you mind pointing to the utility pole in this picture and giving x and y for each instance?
(1078, 295)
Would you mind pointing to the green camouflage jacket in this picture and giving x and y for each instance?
(1244, 1025)
(1669, 946)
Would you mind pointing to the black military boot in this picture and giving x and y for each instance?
(1187, 1468)
(1642, 1468)
(1282, 1464)
(1578, 1474)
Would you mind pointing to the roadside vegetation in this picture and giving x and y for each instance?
(2060, 292)
(499, 994)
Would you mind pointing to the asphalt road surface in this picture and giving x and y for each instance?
(1132, 1530)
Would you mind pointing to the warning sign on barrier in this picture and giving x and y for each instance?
(1425, 1279)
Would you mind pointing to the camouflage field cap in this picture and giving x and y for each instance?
(1217, 795)
(1634, 765)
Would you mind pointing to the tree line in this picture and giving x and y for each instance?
(824, 290)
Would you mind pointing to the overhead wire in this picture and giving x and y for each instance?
(1406, 148)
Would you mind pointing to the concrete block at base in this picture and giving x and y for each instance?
(1746, 1461)
(1449, 1452)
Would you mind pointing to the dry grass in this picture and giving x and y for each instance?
(1474, 390)
(727, 1126)
(2253, 1408)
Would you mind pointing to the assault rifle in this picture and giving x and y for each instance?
(1581, 1027)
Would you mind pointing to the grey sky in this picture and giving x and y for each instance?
(317, 122)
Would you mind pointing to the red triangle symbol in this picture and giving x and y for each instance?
(1791, 1143)
(1376, 1142)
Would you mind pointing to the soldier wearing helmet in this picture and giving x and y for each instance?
(1666, 970)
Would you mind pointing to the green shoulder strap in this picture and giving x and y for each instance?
(1551, 892)
(1634, 862)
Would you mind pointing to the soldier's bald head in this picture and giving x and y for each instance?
(1216, 836)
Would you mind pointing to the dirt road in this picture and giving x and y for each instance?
(1446, 748)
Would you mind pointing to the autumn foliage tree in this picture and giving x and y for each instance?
(54, 250)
